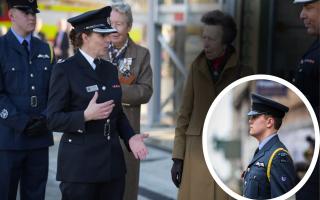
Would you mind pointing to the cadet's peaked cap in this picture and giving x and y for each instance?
(94, 20)
(304, 1)
(263, 105)
(30, 6)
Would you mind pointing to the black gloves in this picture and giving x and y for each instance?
(37, 125)
(176, 171)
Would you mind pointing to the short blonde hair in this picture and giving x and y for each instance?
(124, 8)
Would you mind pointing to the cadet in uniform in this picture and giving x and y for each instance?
(85, 104)
(271, 172)
(308, 81)
(25, 64)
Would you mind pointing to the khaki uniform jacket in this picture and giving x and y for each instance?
(133, 95)
(200, 91)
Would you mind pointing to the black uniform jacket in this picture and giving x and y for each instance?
(23, 79)
(307, 76)
(85, 153)
(257, 185)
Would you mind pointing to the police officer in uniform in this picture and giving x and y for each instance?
(85, 104)
(307, 74)
(308, 81)
(25, 64)
(271, 172)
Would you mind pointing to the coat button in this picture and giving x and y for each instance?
(33, 88)
(31, 75)
(45, 68)
(80, 131)
(300, 70)
(13, 69)
(104, 88)
(69, 140)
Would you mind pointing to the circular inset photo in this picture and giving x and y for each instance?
(261, 139)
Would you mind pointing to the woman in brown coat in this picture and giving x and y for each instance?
(135, 76)
(214, 69)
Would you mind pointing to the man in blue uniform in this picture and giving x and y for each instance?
(307, 80)
(25, 64)
(271, 172)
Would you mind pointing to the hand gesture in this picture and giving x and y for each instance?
(137, 146)
(96, 111)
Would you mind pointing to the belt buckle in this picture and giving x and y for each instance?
(34, 101)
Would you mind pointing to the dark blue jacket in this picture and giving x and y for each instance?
(20, 80)
(85, 153)
(257, 184)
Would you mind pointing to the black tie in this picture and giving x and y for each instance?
(99, 66)
(26, 45)
(257, 150)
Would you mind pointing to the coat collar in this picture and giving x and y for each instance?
(265, 148)
(204, 68)
(34, 44)
(84, 66)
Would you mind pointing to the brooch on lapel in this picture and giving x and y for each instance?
(259, 164)
(43, 56)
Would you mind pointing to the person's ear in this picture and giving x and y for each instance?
(84, 37)
(270, 122)
(11, 15)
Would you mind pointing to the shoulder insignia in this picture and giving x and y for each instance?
(282, 153)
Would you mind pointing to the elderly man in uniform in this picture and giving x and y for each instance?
(271, 172)
(25, 64)
(307, 80)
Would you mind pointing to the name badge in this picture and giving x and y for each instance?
(92, 88)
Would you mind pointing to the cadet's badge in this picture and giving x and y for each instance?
(43, 56)
(259, 164)
(283, 178)
(4, 114)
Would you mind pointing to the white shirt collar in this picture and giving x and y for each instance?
(89, 59)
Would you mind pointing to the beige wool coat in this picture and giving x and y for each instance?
(133, 95)
(200, 91)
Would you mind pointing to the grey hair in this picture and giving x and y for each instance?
(124, 8)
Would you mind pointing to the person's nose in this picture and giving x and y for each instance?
(303, 13)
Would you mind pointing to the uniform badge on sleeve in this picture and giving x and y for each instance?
(4, 114)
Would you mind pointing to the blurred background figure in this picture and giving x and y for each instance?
(3, 30)
(213, 69)
(37, 32)
(135, 76)
(61, 41)
(307, 80)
